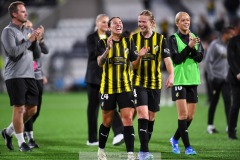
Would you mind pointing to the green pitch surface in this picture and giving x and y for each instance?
(61, 132)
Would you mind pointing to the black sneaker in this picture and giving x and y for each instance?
(232, 136)
(7, 139)
(24, 147)
(32, 144)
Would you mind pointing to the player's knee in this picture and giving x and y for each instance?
(127, 120)
(107, 122)
(182, 116)
(190, 117)
(19, 110)
(31, 110)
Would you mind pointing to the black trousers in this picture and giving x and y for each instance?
(208, 87)
(28, 126)
(92, 114)
(234, 111)
(218, 86)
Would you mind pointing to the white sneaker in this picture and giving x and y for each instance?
(92, 143)
(101, 154)
(118, 140)
(211, 129)
(131, 156)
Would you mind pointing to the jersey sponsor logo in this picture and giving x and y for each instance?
(149, 57)
(117, 60)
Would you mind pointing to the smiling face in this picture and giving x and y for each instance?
(183, 22)
(144, 24)
(116, 26)
(102, 24)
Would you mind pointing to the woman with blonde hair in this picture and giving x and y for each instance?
(186, 52)
(147, 78)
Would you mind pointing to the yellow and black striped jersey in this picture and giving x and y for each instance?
(116, 74)
(148, 74)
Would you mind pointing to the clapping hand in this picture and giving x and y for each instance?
(109, 42)
(143, 51)
(193, 41)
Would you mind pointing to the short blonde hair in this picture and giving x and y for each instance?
(178, 15)
(150, 15)
(98, 18)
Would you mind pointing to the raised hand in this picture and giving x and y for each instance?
(143, 51)
(34, 35)
(193, 41)
(41, 32)
(109, 42)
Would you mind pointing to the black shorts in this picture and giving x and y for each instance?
(22, 91)
(185, 92)
(124, 100)
(149, 97)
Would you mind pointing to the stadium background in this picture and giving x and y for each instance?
(61, 128)
(68, 22)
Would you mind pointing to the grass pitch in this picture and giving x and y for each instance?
(61, 132)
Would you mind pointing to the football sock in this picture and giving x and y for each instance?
(143, 134)
(177, 134)
(182, 127)
(20, 138)
(10, 129)
(129, 136)
(150, 129)
(103, 136)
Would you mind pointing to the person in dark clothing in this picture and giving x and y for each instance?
(204, 29)
(41, 80)
(187, 51)
(147, 4)
(220, 23)
(217, 68)
(232, 7)
(233, 57)
(93, 79)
